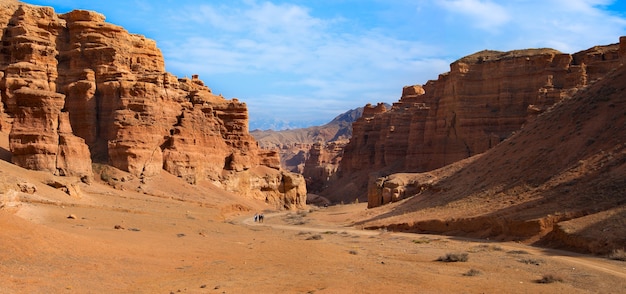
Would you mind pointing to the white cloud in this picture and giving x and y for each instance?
(482, 14)
(566, 25)
(286, 40)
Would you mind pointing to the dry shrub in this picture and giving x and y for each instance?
(518, 252)
(472, 272)
(531, 261)
(315, 237)
(421, 241)
(550, 278)
(485, 247)
(454, 257)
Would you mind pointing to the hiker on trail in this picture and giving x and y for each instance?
(261, 218)
(256, 217)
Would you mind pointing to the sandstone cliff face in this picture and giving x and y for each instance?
(76, 89)
(482, 100)
(559, 181)
(322, 164)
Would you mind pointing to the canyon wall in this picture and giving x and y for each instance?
(482, 100)
(76, 89)
(556, 182)
(322, 163)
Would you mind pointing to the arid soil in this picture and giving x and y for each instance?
(165, 236)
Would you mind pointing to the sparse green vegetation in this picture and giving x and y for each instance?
(454, 257)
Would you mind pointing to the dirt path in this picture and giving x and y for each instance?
(617, 269)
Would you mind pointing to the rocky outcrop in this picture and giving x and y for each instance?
(482, 100)
(556, 182)
(322, 164)
(41, 137)
(76, 89)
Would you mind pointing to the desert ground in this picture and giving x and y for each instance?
(165, 236)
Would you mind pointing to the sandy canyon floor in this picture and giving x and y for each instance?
(123, 241)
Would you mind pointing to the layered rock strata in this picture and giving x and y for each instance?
(322, 163)
(557, 182)
(76, 88)
(482, 100)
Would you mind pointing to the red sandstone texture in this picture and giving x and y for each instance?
(322, 163)
(558, 181)
(483, 100)
(76, 89)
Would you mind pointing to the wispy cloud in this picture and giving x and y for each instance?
(483, 14)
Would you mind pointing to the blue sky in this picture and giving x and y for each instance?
(297, 63)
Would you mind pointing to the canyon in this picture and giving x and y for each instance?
(515, 145)
(117, 176)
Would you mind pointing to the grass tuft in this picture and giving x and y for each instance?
(472, 272)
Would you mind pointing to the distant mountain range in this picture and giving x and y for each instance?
(337, 129)
(281, 125)
(294, 145)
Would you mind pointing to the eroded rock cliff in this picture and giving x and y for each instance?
(322, 163)
(482, 100)
(76, 88)
(557, 182)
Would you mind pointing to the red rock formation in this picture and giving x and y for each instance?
(482, 100)
(322, 163)
(75, 74)
(41, 137)
(559, 181)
